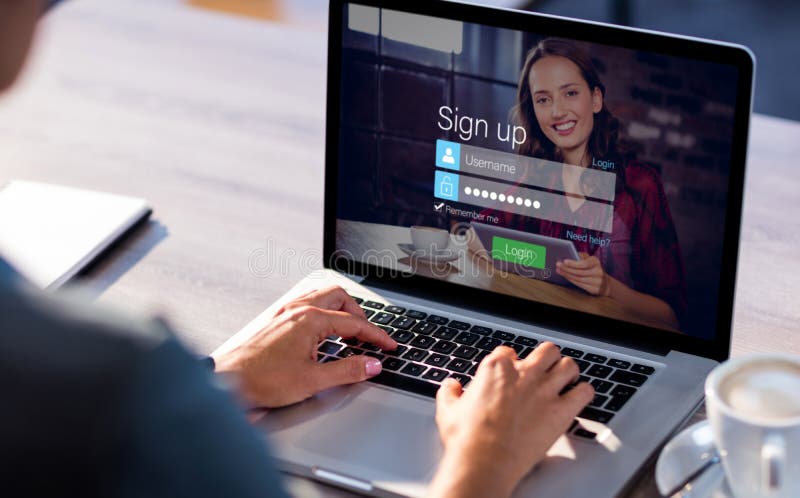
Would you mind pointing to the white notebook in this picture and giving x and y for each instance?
(49, 233)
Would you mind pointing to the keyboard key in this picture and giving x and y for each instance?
(584, 433)
(358, 300)
(417, 315)
(435, 374)
(329, 347)
(525, 353)
(397, 310)
(583, 378)
(373, 304)
(619, 364)
(425, 328)
(368, 313)
(481, 330)
(629, 378)
(443, 347)
(386, 329)
(473, 370)
(595, 358)
(595, 414)
(467, 338)
(445, 333)
(375, 354)
(411, 384)
(488, 343)
(397, 352)
(467, 352)
(617, 402)
(369, 347)
(519, 348)
(621, 390)
(415, 354)
(481, 355)
(402, 336)
(347, 352)
(382, 318)
(403, 322)
(458, 325)
(422, 341)
(600, 371)
(643, 369)
(351, 341)
(438, 320)
(459, 365)
(413, 369)
(463, 378)
(573, 353)
(503, 336)
(320, 356)
(601, 386)
(598, 401)
(582, 365)
(437, 360)
(526, 341)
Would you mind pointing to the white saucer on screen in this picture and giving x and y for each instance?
(422, 255)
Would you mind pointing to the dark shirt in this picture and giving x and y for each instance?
(99, 405)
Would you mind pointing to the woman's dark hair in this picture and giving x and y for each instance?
(603, 141)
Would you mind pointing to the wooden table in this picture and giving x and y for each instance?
(219, 122)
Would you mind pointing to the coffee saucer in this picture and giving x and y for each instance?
(691, 456)
(421, 255)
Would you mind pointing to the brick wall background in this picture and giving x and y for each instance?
(677, 113)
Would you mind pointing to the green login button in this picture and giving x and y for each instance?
(521, 253)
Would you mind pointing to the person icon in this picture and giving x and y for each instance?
(448, 154)
(448, 158)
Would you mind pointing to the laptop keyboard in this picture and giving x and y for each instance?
(432, 348)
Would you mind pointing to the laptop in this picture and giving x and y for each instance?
(629, 144)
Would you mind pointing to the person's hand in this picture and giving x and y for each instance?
(497, 429)
(587, 273)
(278, 365)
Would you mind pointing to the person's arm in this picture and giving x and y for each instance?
(503, 424)
(588, 274)
(278, 366)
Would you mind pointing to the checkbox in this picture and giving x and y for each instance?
(439, 206)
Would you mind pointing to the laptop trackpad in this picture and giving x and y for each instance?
(393, 434)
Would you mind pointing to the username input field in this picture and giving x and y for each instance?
(535, 172)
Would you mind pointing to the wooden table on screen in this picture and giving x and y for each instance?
(219, 122)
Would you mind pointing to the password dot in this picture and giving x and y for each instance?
(519, 201)
(527, 203)
(510, 199)
(467, 190)
(502, 197)
(537, 204)
(493, 195)
(485, 194)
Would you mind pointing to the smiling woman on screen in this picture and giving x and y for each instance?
(561, 105)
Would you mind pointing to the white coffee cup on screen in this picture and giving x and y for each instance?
(753, 405)
(429, 239)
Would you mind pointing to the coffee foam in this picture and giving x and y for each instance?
(764, 390)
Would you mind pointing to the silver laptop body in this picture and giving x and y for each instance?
(380, 439)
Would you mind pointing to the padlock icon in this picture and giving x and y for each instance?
(446, 187)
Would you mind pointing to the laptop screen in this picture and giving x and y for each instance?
(577, 174)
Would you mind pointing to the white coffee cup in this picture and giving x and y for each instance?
(753, 405)
(429, 239)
